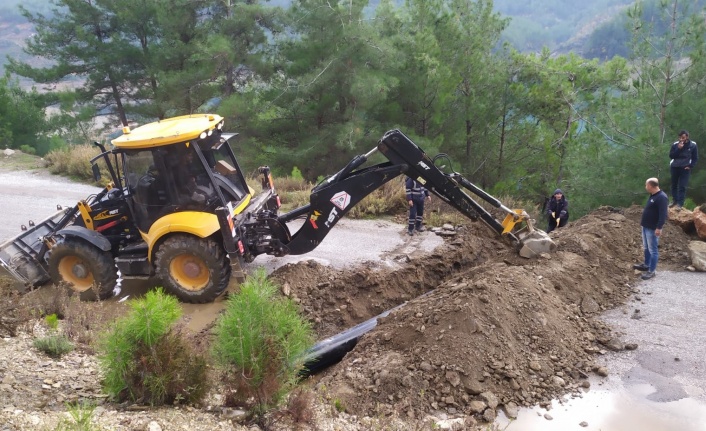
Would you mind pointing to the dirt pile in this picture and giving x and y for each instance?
(494, 331)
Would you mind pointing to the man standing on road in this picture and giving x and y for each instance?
(415, 193)
(653, 218)
(684, 155)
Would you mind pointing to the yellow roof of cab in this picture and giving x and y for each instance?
(167, 131)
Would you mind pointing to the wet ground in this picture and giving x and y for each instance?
(661, 386)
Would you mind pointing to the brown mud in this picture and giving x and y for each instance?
(495, 330)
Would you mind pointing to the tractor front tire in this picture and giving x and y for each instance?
(87, 270)
(195, 270)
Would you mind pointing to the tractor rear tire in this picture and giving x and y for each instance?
(195, 270)
(87, 270)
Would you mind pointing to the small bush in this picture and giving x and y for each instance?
(52, 321)
(27, 149)
(338, 405)
(81, 415)
(54, 345)
(260, 342)
(297, 174)
(146, 359)
(690, 204)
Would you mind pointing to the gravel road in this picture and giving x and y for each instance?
(34, 195)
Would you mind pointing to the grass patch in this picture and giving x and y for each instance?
(20, 161)
(80, 418)
(387, 200)
(54, 345)
(293, 192)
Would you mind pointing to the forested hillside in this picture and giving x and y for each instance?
(613, 36)
(310, 86)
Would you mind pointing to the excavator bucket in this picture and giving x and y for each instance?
(533, 242)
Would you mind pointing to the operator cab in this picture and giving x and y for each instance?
(167, 174)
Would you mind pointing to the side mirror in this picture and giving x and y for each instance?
(96, 172)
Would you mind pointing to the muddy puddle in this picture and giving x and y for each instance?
(621, 409)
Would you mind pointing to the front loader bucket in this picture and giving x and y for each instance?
(20, 255)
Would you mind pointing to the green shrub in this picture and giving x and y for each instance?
(297, 174)
(145, 359)
(52, 321)
(259, 345)
(54, 345)
(27, 149)
(690, 204)
(81, 418)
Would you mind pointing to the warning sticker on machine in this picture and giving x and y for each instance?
(341, 200)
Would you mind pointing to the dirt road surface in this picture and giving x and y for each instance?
(34, 195)
(575, 334)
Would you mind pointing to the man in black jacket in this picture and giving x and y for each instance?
(557, 210)
(684, 155)
(653, 218)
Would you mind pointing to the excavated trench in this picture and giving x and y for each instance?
(346, 305)
(492, 330)
(336, 300)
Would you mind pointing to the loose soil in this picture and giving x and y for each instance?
(482, 328)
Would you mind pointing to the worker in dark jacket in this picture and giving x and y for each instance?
(557, 211)
(684, 155)
(653, 218)
(416, 193)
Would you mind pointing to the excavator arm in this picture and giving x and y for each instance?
(331, 199)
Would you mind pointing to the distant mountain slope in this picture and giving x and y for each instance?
(561, 25)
